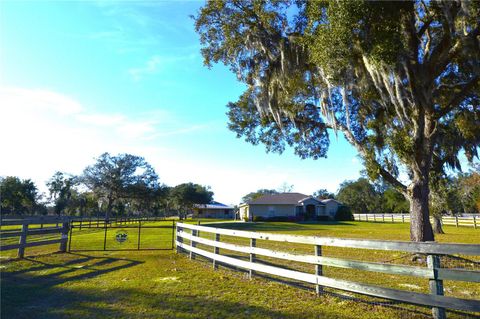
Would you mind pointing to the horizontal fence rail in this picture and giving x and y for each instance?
(62, 228)
(434, 273)
(467, 221)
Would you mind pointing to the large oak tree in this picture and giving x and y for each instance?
(400, 80)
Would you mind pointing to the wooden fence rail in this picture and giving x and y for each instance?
(468, 221)
(25, 232)
(434, 272)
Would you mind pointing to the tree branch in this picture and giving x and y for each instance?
(457, 98)
(364, 153)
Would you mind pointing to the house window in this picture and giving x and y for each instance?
(227, 211)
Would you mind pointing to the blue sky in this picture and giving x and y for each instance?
(82, 78)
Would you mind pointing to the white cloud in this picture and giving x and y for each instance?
(150, 67)
(44, 131)
(155, 64)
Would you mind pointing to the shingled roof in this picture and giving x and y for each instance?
(280, 199)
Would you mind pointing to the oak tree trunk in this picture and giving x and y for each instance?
(437, 225)
(420, 227)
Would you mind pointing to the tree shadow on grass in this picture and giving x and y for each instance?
(27, 296)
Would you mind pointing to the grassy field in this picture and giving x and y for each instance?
(163, 284)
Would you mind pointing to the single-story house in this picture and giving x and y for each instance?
(289, 205)
(213, 210)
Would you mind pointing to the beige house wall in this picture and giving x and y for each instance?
(271, 210)
(331, 208)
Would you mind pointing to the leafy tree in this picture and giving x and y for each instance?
(254, 195)
(61, 189)
(186, 196)
(395, 202)
(468, 185)
(118, 178)
(285, 188)
(360, 196)
(399, 79)
(18, 196)
(323, 194)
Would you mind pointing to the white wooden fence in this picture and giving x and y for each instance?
(62, 227)
(468, 221)
(434, 273)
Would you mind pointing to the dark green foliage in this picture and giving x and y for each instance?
(117, 179)
(254, 195)
(259, 218)
(186, 196)
(395, 202)
(19, 197)
(323, 194)
(360, 196)
(344, 214)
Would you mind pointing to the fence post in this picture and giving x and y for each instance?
(474, 222)
(318, 269)
(403, 218)
(22, 241)
(173, 233)
(253, 243)
(65, 231)
(216, 250)
(366, 217)
(436, 285)
(192, 243)
(374, 217)
(383, 218)
(105, 237)
(393, 220)
(179, 239)
(456, 221)
(139, 232)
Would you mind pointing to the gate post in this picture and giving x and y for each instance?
(139, 232)
(64, 232)
(22, 241)
(105, 237)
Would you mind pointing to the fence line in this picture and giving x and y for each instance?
(434, 273)
(468, 221)
(25, 232)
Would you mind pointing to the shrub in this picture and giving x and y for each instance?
(258, 219)
(344, 213)
(323, 218)
(245, 218)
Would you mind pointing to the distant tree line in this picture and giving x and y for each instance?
(118, 185)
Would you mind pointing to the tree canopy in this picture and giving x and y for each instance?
(185, 196)
(119, 177)
(323, 194)
(254, 195)
(399, 79)
(18, 196)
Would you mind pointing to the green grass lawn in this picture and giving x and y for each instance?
(163, 284)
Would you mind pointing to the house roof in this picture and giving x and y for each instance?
(213, 205)
(328, 200)
(281, 199)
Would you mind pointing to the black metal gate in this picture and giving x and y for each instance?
(125, 235)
